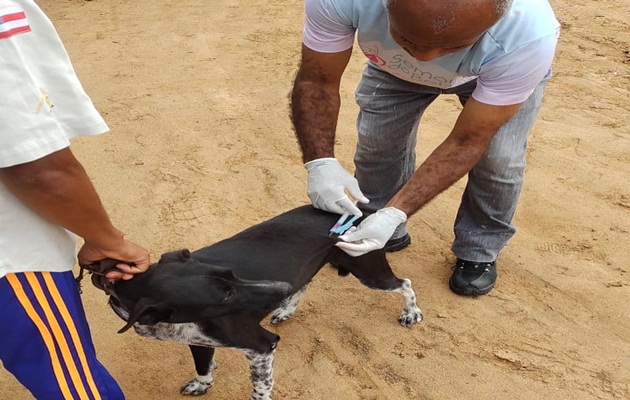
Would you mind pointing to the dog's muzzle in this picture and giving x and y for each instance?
(98, 270)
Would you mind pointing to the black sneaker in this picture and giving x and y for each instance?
(473, 278)
(400, 243)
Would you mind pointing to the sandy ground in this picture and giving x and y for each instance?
(201, 147)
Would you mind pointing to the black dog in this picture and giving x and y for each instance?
(218, 295)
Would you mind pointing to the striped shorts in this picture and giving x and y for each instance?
(45, 340)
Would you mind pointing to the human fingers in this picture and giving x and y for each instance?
(347, 205)
(356, 249)
(355, 191)
(115, 275)
(131, 269)
(134, 259)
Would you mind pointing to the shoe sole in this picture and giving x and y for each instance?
(398, 246)
(470, 291)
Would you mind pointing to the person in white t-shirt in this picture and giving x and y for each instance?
(495, 55)
(46, 201)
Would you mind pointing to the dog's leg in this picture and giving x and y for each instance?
(374, 271)
(261, 368)
(243, 332)
(204, 366)
(411, 313)
(288, 306)
(201, 345)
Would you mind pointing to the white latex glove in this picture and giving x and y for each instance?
(327, 183)
(373, 233)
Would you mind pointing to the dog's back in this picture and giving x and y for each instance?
(290, 247)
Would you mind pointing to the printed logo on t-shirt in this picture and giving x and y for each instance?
(371, 52)
(407, 68)
(12, 21)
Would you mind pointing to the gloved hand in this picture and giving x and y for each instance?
(373, 233)
(327, 182)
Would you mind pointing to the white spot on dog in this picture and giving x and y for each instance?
(288, 306)
(411, 313)
(261, 368)
(201, 383)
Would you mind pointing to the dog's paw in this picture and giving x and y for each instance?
(195, 388)
(410, 317)
(278, 317)
(283, 313)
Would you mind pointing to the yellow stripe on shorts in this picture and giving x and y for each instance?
(43, 331)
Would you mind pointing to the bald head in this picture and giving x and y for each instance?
(446, 25)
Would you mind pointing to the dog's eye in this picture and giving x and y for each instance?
(228, 295)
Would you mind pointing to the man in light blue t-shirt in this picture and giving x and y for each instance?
(495, 55)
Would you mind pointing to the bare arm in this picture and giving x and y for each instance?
(456, 156)
(315, 101)
(58, 188)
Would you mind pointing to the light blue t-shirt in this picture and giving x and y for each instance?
(508, 61)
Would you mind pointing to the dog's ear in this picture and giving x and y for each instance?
(147, 312)
(182, 255)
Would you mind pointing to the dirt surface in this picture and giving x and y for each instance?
(201, 147)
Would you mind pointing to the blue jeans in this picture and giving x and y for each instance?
(385, 159)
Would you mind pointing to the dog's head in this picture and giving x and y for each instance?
(179, 289)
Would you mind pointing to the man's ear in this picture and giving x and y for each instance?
(182, 255)
(147, 312)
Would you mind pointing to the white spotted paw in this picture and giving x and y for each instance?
(281, 315)
(410, 317)
(195, 388)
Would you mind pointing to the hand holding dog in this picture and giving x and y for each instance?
(136, 256)
(327, 183)
(373, 233)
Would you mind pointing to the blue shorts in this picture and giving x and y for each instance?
(45, 340)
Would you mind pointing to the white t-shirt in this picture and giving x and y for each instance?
(508, 61)
(42, 106)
